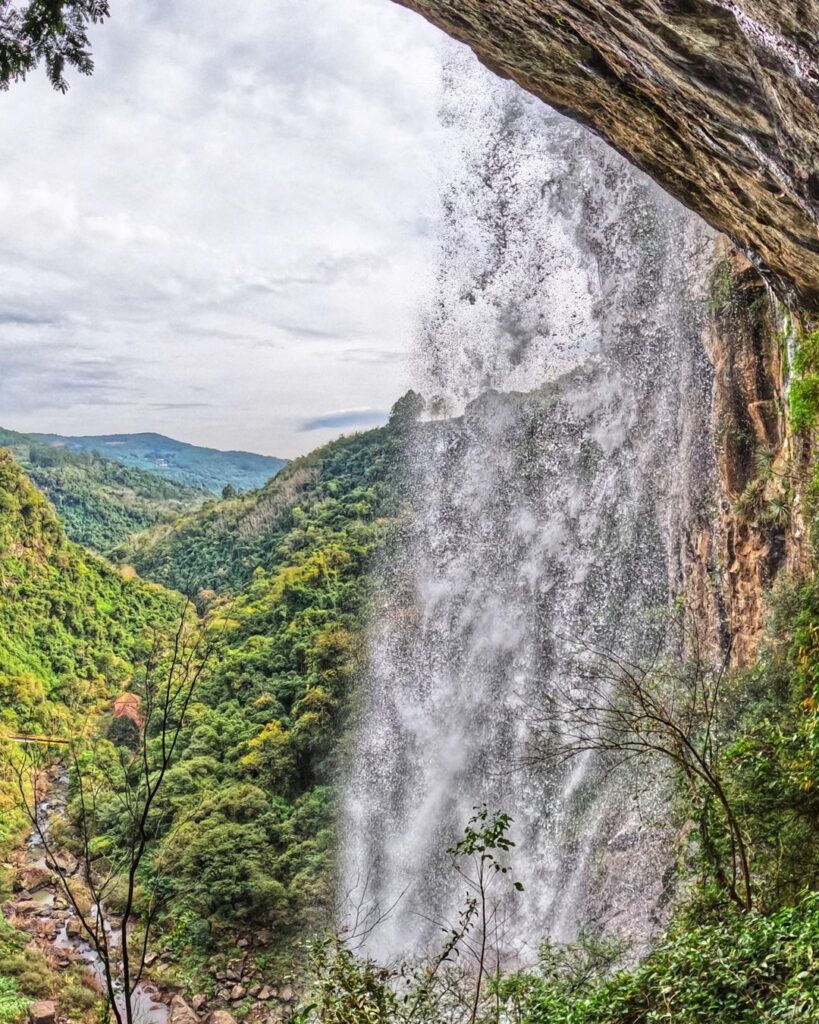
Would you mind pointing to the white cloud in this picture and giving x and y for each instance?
(224, 232)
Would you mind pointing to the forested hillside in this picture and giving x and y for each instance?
(253, 789)
(205, 468)
(101, 502)
(71, 626)
(347, 483)
(246, 842)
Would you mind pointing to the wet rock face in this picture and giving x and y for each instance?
(718, 100)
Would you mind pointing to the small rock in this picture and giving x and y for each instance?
(47, 929)
(243, 943)
(151, 959)
(286, 994)
(42, 1012)
(73, 928)
(267, 992)
(237, 992)
(221, 1017)
(223, 994)
(199, 1002)
(254, 990)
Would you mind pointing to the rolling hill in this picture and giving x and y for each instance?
(101, 502)
(189, 464)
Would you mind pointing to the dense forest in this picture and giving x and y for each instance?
(72, 626)
(248, 804)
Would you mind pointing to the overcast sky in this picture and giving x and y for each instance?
(224, 234)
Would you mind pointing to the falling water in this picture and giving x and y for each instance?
(562, 461)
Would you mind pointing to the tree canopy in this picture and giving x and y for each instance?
(49, 32)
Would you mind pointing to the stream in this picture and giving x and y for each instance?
(41, 909)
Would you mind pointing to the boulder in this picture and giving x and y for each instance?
(181, 1012)
(74, 928)
(44, 1011)
(64, 862)
(47, 929)
(32, 878)
(221, 1017)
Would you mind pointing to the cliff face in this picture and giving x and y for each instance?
(718, 100)
(755, 531)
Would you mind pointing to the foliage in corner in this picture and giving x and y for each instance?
(47, 32)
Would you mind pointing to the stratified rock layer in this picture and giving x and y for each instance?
(718, 101)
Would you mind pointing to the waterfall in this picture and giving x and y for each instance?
(563, 457)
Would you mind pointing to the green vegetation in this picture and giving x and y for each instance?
(70, 625)
(251, 840)
(741, 970)
(100, 502)
(67, 619)
(204, 468)
(804, 385)
(71, 629)
(24, 974)
(338, 489)
(246, 839)
(54, 34)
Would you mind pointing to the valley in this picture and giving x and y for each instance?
(506, 709)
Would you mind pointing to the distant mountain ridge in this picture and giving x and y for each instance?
(100, 501)
(206, 468)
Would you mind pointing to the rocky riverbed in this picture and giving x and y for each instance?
(40, 908)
